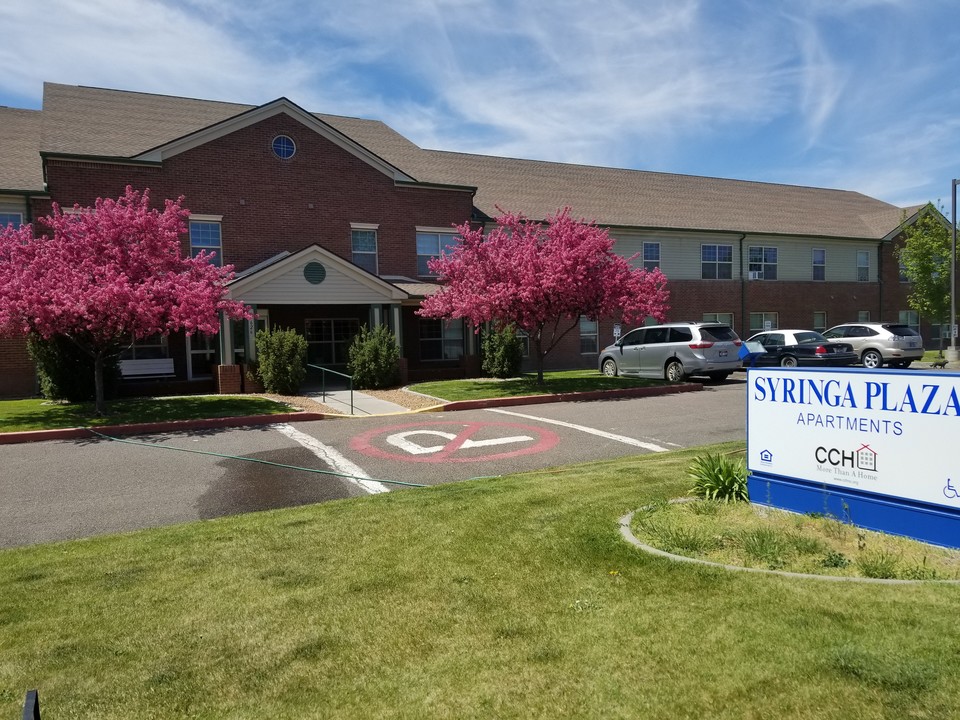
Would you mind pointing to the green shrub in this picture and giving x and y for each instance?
(717, 477)
(282, 359)
(502, 352)
(66, 372)
(374, 358)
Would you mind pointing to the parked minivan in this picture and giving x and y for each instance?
(878, 342)
(674, 351)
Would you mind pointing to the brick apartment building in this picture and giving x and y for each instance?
(330, 221)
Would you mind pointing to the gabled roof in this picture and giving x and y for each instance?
(281, 280)
(113, 123)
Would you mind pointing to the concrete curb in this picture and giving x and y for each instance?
(156, 427)
(83, 433)
(565, 397)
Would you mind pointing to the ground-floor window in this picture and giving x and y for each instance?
(441, 339)
(589, 344)
(204, 354)
(760, 321)
(524, 338)
(819, 321)
(910, 318)
(148, 348)
(721, 317)
(863, 316)
(328, 339)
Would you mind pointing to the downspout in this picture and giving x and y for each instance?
(744, 326)
(880, 278)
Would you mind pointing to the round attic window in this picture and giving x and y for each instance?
(315, 273)
(284, 147)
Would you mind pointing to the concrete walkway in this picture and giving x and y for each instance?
(359, 404)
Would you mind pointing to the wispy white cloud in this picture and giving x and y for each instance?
(841, 93)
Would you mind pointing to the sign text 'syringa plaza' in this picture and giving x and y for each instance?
(874, 447)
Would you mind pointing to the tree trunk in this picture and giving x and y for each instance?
(99, 404)
(539, 344)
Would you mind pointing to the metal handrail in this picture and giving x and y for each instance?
(323, 382)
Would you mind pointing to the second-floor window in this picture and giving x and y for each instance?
(205, 235)
(819, 264)
(716, 262)
(763, 263)
(863, 266)
(10, 218)
(651, 255)
(431, 245)
(364, 247)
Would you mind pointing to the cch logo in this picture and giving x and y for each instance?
(863, 458)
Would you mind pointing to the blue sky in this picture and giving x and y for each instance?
(852, 94)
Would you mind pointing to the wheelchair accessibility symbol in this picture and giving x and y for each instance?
(454, 442)
(949, 491)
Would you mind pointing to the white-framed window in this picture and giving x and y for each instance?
(10, 218)
(863, 265)
(328, 339)
(204, 352)
(589, 339)
(760, 321)
(441, 339)
(819, 261)
(819, 320)
(651, 255)
(205, 235)
(910, 318)
(725, 318)
(938, 330)
(762, 262)
(431, 243)
(863, 316)
(716, 262)
(524, 338)
(148, 348)
(363, 244)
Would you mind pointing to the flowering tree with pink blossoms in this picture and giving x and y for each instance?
(541, 277)
(106, 275)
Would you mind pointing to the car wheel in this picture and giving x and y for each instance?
(871, 359)
(718, 376)
(609, 368)
(788, 361)
(673, 371)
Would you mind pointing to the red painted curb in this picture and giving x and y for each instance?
(145, 428)
(568, 397)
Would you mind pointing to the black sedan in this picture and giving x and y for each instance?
(790, 348)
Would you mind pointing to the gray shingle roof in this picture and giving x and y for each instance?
(94, 121)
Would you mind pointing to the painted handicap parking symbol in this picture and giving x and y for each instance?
(454, 442)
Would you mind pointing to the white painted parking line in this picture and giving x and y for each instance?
(353, 473)
(599, 433)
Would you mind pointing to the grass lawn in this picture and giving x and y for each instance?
(512, 597)
(553, 384)
(37, 414)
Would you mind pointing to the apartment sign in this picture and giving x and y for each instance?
(885, 437)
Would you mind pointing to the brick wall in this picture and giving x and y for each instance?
(268, 204)
(17, 373)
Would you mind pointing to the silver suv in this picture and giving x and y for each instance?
(878, 342)
(674, 351)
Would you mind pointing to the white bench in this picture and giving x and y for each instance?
(143, 369)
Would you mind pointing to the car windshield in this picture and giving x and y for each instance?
(809, 337)
(718, 333)
(902, 330)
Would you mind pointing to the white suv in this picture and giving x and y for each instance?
(878, 342)
(674, 351)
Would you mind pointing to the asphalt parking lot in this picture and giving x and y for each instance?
(74, 489)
